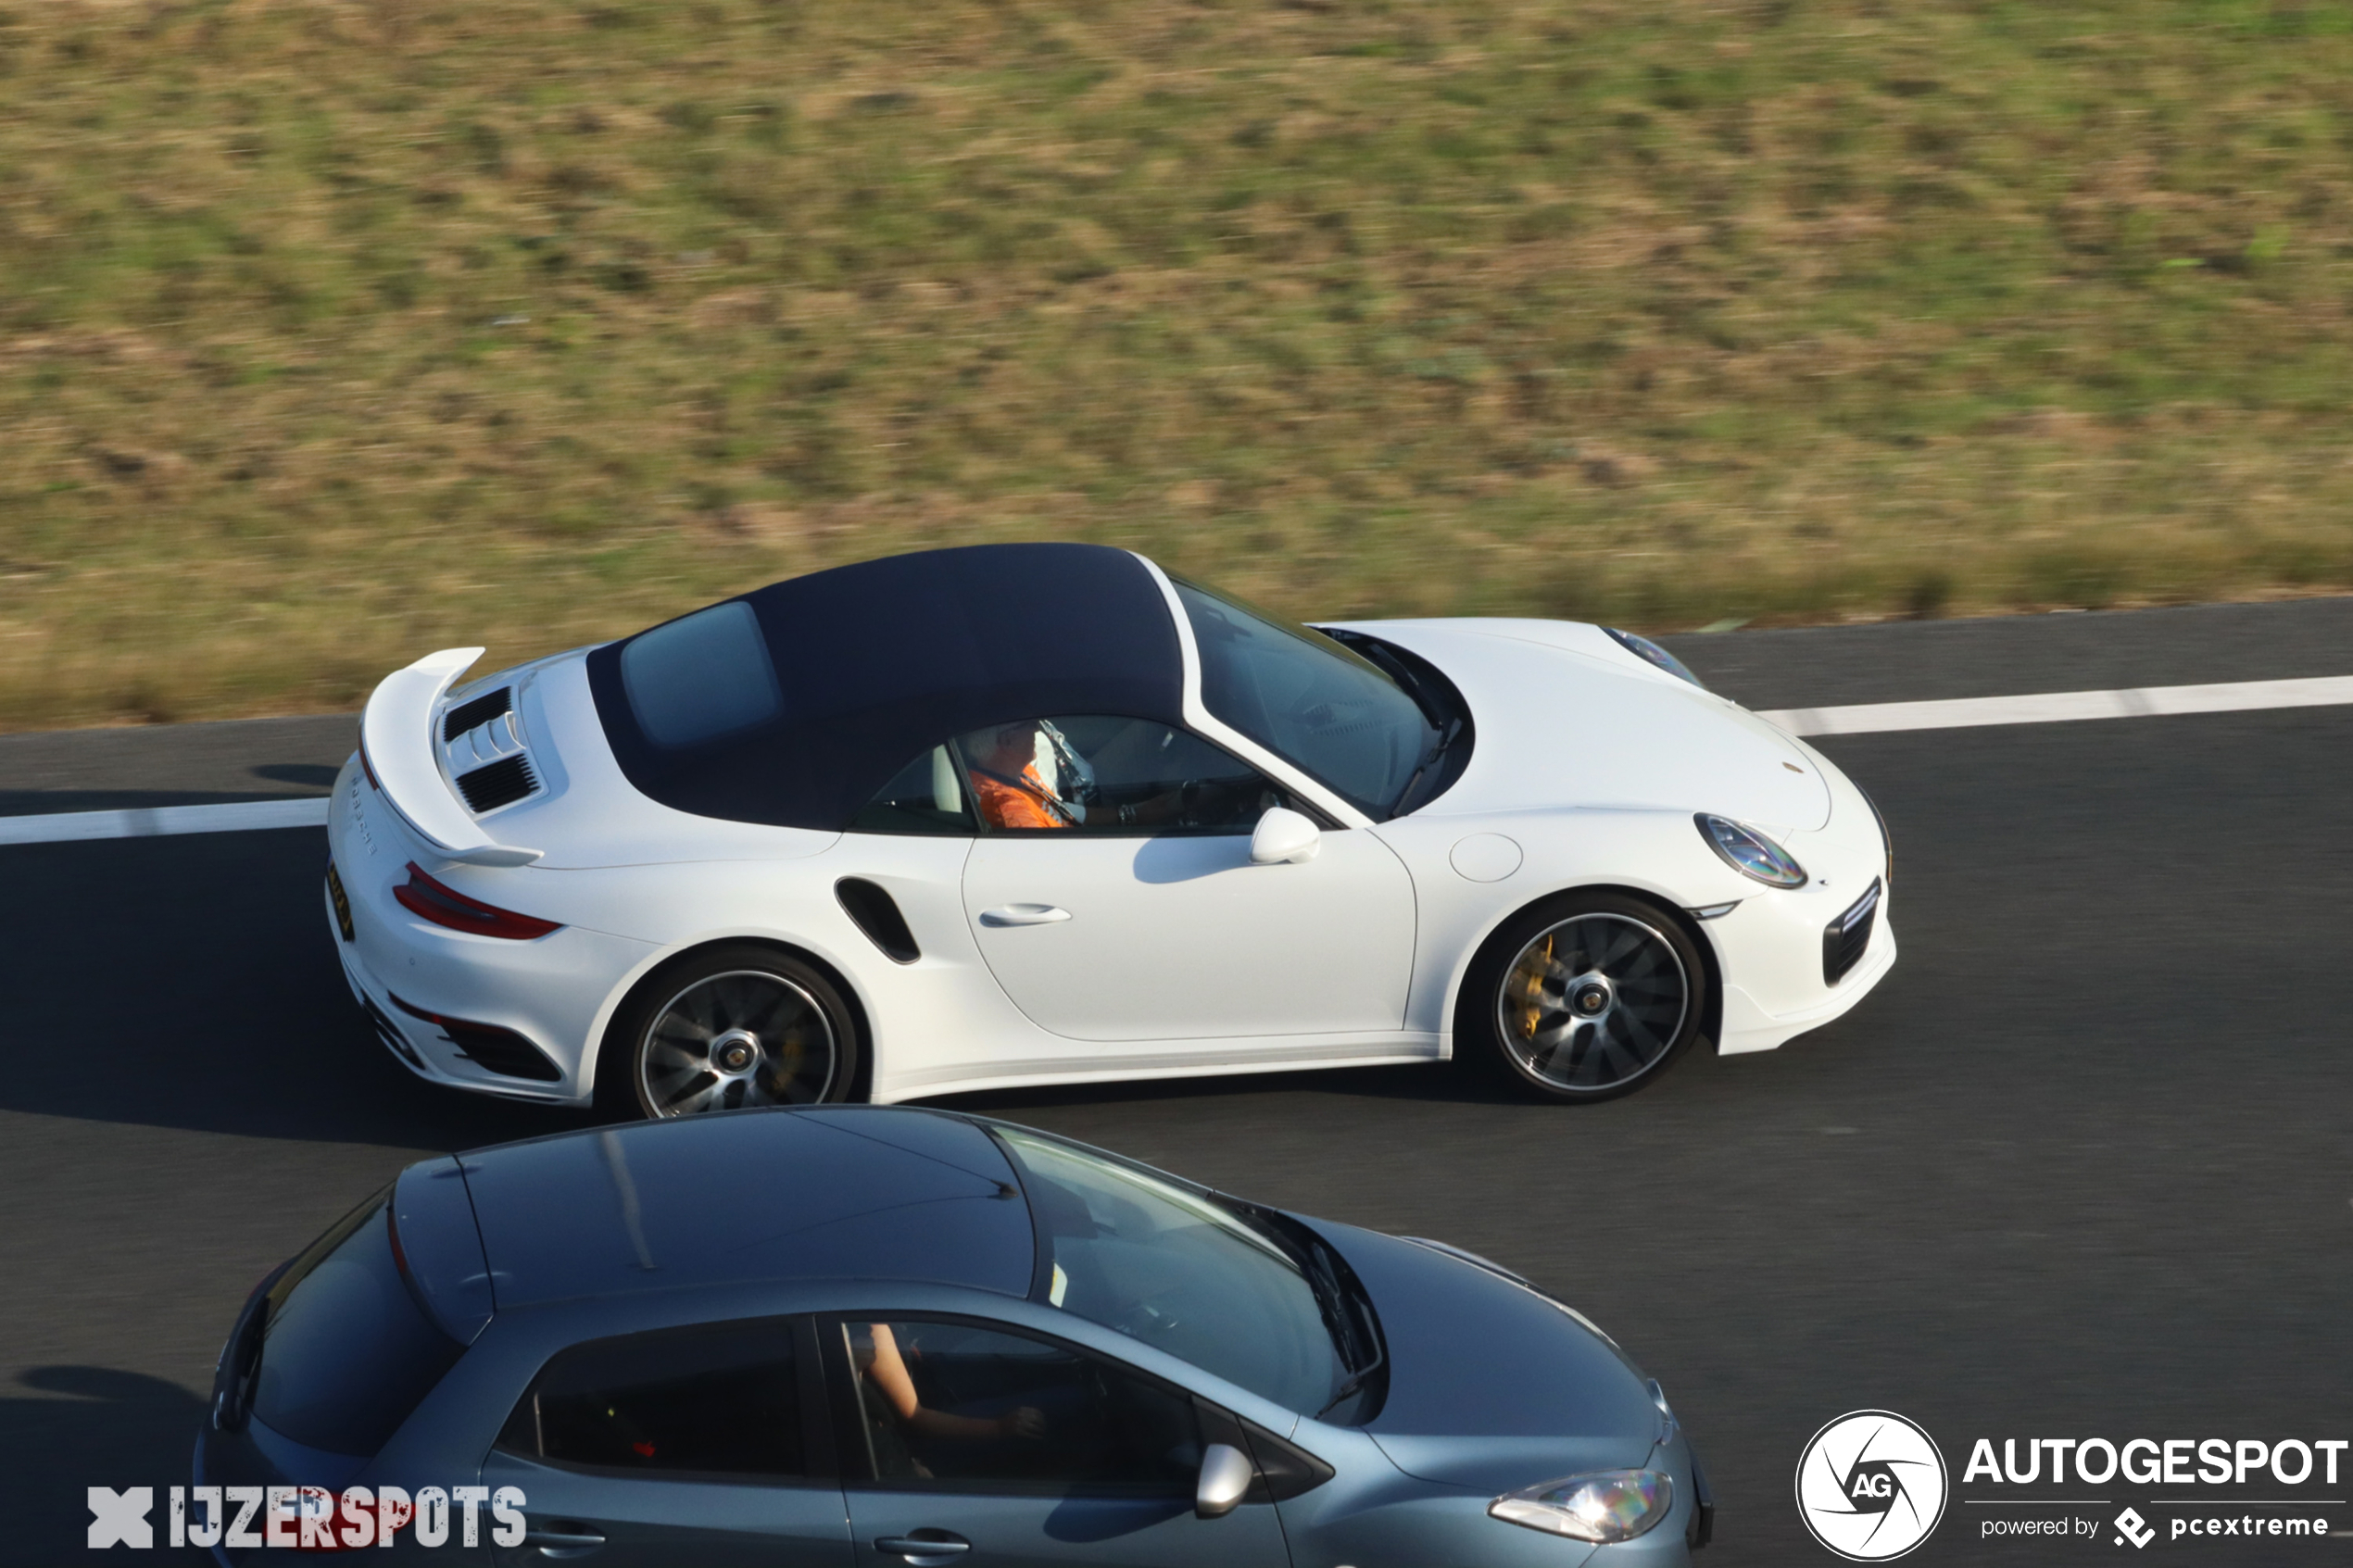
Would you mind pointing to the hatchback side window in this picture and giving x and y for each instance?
(958, 1407)
(711, 1399)
(926, 795)
(1097, 774)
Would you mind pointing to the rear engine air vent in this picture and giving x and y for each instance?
(488, 1046)
(501, 783)
(1844, 938)
(877, 915)
(477, 710)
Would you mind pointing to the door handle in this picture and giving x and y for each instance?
(577, 1540)
(930, 1548)
(1023, 914)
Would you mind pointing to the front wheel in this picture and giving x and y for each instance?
(1584, 997)
(733, 1026)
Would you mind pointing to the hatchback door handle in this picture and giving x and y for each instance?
(1023, 914)
(926, 1550)
(577, 1541)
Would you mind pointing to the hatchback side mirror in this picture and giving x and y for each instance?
(1284, 834)
(1226, 1475)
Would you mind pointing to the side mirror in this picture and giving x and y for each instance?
(1284, 834)
(1226, 1475)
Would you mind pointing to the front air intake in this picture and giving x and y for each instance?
(1845, 939)
(501, 783)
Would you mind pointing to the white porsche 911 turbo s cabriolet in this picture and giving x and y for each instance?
(1043, 813)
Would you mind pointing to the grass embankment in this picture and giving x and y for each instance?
(334, 331)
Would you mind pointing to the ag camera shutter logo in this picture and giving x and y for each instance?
(1872, 1485)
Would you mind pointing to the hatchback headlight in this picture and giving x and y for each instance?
(1750, 852)
(1608, 1505)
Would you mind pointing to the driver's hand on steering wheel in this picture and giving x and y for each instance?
(1027, 1422)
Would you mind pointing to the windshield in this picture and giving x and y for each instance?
(1309, 700)
(1180, 1271)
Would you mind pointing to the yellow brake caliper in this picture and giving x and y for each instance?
(1533, 991)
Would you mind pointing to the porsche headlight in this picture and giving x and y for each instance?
(1607, 1505)
(1652, 654)
(1750, 852)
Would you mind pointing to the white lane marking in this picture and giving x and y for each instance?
(2053, 708)
(148, 821)
(1956, 713)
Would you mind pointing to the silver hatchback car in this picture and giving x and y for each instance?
(864, 1338)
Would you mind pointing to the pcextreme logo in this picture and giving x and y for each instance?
(1871, 1485)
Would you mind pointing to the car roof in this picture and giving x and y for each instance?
(875, 663)
(780, 1194)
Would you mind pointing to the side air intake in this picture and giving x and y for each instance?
(877, 915)
(501, 783)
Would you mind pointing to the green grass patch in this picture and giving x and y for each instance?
(336, 330)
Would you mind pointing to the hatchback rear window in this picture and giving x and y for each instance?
(347, 1353)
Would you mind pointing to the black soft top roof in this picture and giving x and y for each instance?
(877, 661)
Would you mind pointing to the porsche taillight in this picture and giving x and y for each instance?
(431, 900)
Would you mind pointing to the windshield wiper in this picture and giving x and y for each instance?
(1445, 742)
(1354, 1382)
(1348, 1314)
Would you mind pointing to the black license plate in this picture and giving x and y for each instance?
(342, 902)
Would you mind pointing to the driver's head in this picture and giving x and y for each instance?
(1011, 747)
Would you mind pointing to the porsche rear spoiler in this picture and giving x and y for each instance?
(396, 740)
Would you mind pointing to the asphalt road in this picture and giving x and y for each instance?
(2079, 1168)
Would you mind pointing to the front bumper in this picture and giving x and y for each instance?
(1749, 1028)
(1771, 952)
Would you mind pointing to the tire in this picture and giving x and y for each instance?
(1586, 996)
(734, 1025)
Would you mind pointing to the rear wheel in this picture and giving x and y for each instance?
(1584, 997)
(737, 1026)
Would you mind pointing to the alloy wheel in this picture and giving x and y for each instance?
(739, 1038)
(1592, 1002)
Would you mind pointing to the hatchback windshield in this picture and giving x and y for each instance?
(1178, 1272)
(1309, 700)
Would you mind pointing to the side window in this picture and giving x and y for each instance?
(959, 1406)
(713, 1400)
(1095, 774)
(928, 795)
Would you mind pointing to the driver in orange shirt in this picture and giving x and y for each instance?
(1007, 788)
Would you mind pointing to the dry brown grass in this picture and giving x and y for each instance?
(334, 331)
